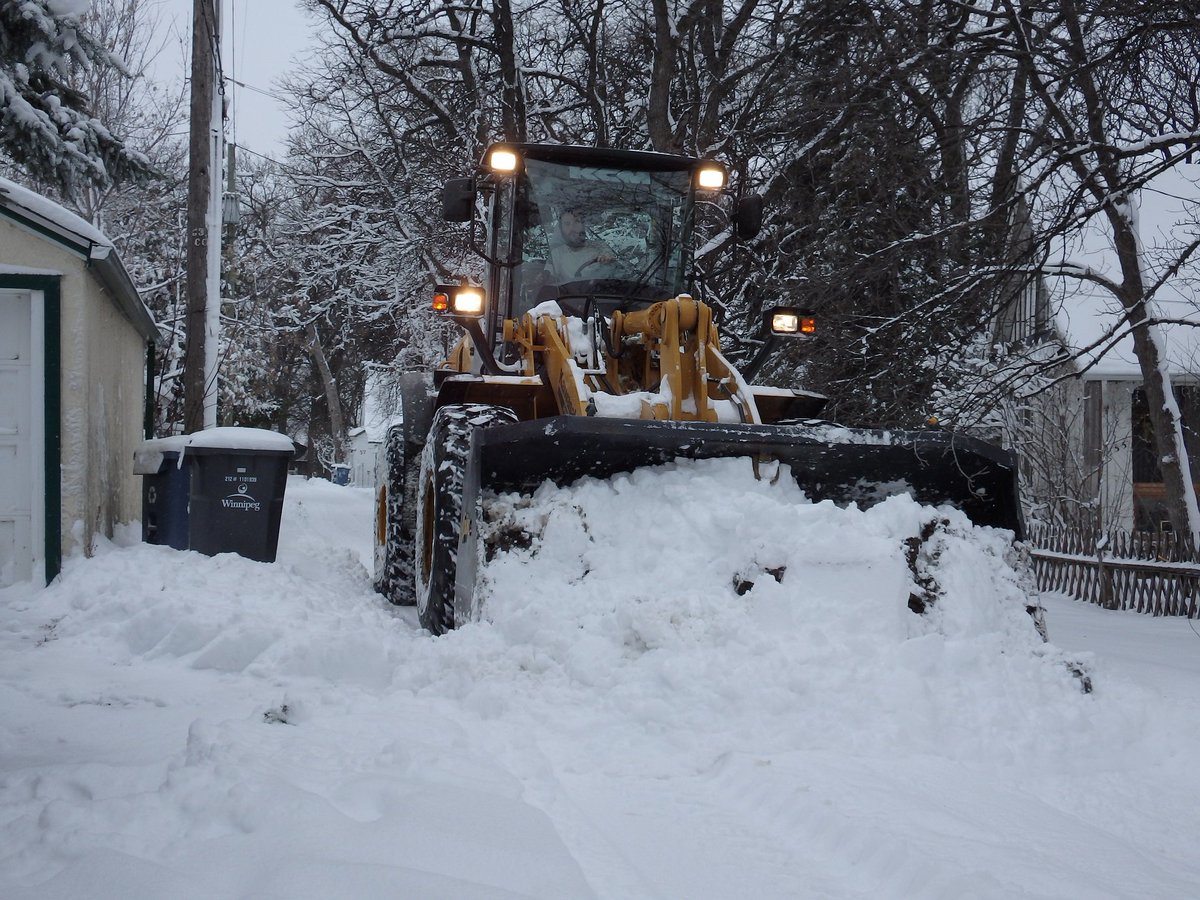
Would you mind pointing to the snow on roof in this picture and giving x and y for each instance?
(45, 212)
(52, 219)
(1168, 221)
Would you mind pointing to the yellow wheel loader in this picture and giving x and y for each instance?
(584, 352)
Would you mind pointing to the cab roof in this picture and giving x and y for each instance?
(638, 160)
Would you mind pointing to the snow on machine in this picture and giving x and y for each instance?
(584, 352)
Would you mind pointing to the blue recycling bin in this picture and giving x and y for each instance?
(215, 491)
(165, 494)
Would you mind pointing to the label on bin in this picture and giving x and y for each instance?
(242, 499)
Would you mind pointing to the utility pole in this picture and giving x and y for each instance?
(204, 223)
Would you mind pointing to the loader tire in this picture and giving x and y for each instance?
(439, 506)
(395, 521)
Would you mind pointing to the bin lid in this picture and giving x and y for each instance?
(149, 455)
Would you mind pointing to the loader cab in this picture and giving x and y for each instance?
(613, 236)
(588, 228)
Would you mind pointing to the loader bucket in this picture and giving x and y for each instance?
(845, 465)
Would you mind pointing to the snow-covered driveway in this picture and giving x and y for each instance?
(625, 724)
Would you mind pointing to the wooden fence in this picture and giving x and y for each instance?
(1149, 573)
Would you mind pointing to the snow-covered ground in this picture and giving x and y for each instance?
(623, 724)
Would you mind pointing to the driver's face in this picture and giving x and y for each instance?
(570, 225)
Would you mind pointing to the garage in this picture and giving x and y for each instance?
(75, 340)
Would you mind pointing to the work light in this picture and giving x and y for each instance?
(710, 176)
(502, 159)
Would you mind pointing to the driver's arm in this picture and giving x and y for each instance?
(601, 252)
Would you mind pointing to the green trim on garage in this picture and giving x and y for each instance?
(50, 288)
(80, 246)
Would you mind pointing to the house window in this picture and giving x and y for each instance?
(1149, 496)
(1025, 316)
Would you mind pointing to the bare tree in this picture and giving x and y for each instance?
(898, 144)
(1110, 109)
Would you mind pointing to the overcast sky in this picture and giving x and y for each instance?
(261, 41)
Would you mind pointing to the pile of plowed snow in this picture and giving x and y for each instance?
(633, 598)
(618, 603)
(686, 682)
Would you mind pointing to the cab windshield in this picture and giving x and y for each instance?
(611, 236)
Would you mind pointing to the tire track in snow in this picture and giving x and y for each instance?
(661, 836)
(899, 829)
(607, 868)
(864, 860)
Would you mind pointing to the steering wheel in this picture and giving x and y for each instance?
(595, 259)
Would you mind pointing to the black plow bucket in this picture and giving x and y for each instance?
(845, 465)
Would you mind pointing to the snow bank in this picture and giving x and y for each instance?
(635, 611)
(622, 723)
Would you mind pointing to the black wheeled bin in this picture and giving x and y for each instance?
(234, 486)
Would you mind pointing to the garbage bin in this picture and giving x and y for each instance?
(165, 490)
(340, 474)
(234, 487)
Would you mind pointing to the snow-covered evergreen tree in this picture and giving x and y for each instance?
(46, 126)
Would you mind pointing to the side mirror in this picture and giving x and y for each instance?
(458, 200)
(748, 217)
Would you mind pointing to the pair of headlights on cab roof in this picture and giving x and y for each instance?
(461, 300)
(710, 176)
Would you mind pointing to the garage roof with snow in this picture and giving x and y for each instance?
(55, 223)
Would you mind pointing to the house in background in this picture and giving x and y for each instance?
(1095, 461)
(362, 450)
(364, 444)
(74, 345)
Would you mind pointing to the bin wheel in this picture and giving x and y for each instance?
(395, 522)
(439, 506)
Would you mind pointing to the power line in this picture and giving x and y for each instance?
(285, 100)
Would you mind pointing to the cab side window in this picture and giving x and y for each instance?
(531, 252)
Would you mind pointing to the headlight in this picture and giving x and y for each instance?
(785, 323)
(502, 159)
(468, 301)
(460, 300)
(710, 176)
(789, 322)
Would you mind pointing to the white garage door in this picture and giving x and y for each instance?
(16, 443)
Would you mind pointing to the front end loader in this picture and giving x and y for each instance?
(584, 352)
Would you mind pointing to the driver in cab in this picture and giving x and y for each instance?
(576, 256)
